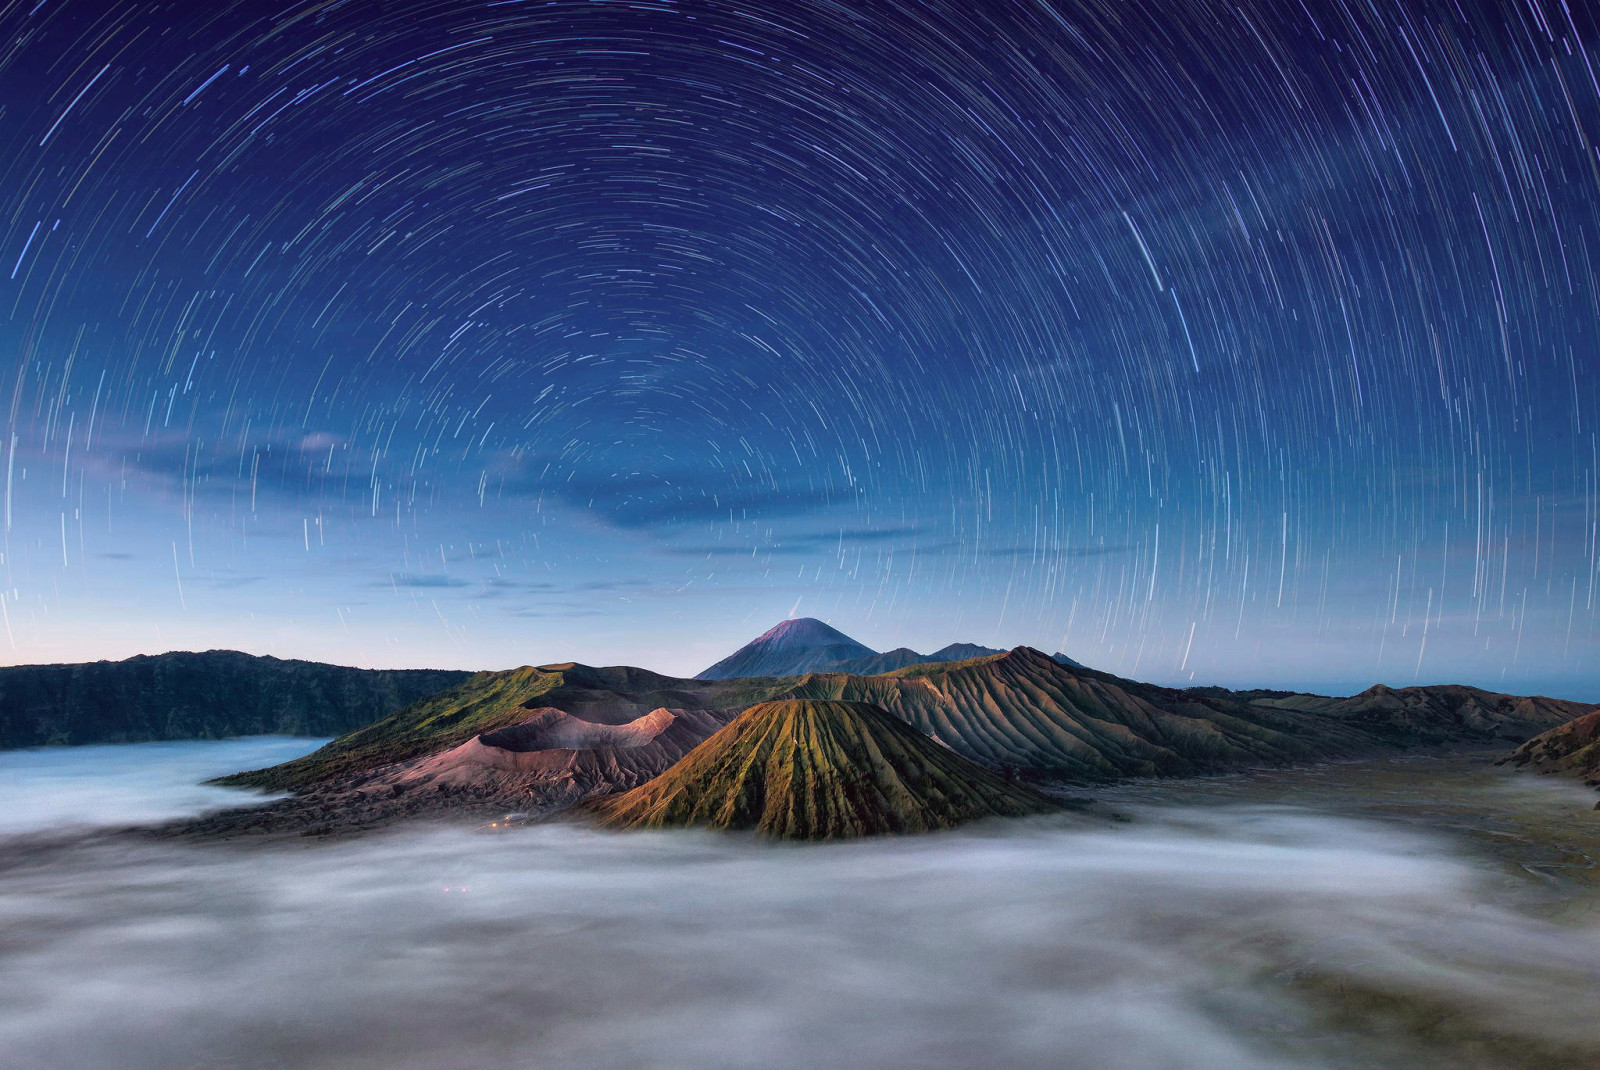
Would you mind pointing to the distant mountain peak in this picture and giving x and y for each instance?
(803, 645)
(808, 630)
(790, 648)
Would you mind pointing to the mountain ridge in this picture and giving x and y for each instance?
(208, 694)
(1020, 711)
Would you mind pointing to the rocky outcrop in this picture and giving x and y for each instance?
(1571, 749)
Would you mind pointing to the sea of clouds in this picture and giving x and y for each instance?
(1229, 937)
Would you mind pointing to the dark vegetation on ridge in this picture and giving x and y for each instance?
(209, 695)
(819, 770)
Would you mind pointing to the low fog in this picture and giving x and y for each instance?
(54, 787)
(1225, 938)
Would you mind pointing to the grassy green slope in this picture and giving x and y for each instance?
(487, 700)
(820, 770)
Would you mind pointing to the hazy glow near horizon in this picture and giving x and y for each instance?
(1251, 344)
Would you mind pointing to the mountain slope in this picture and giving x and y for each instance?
(1024, 710)
(206, 695)
(788, 649)
(1571, 749)
(819, 770)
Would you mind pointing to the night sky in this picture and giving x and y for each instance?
(1250, 343)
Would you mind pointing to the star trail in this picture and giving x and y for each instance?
(1250, 343)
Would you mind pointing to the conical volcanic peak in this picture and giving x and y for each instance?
(789, 649)
(802, 631)
(820, 770)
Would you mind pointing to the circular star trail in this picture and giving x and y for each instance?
(1250, 343)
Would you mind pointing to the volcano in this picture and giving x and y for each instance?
(820, 770)
(797, 646)
(805, 644)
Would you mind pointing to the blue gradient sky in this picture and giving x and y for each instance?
(1251, 344)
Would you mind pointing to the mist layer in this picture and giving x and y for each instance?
(1230, 937)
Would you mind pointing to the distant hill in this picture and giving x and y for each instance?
(888, 661)
(808, 645)
(207, 695)
(1437, 713)
(902, 657)
(820, 770)
(961, 652)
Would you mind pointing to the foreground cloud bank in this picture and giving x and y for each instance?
(1211, 939)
